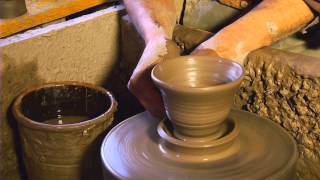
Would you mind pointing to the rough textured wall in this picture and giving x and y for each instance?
(285, 88)
(279, 85)
(82, 49)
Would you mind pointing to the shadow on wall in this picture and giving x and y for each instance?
(311, 37)
(15, 77)
(128, 105)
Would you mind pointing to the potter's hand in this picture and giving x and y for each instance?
(140, 83)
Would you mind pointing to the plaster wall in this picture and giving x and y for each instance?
(82, 49)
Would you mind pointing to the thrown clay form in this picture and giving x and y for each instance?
(132, 150)
(198, 93)
(70, 149)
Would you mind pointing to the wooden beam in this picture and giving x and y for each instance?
(43, 11)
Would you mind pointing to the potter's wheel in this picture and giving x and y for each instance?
(131, 151)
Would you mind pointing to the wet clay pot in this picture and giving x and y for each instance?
(201, 138)
(61, 127)
(198, 93)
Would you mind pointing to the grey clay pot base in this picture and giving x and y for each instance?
(261, 150)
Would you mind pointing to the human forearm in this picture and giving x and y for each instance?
(155, 21)
(152, 18)
(268, 22)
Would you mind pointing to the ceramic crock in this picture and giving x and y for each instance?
(56, 143)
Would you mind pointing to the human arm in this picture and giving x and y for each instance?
(268, 22)
(155, 21)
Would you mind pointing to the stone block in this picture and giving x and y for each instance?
(82, 49)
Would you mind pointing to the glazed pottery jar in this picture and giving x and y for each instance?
(61, 127)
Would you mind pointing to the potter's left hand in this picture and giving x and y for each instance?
(140, 83)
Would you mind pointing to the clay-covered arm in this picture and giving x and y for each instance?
(152, 18)
(268, 22)
(155, 21)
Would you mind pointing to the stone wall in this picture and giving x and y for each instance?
(82, 49)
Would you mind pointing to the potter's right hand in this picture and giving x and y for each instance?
(140, 83)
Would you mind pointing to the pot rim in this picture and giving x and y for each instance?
(183, 89)
(27, 122)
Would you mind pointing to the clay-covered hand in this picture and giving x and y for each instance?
(140, 83)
